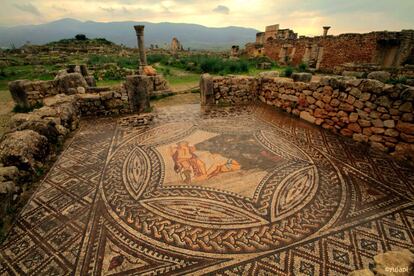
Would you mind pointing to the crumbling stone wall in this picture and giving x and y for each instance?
(386, 49)
(406, 71)
(323, 53)
(27, 94)
(368, 111)
(91, 100)
(104, 101)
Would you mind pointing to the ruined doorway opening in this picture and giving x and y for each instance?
(410, 59)
(387, 52)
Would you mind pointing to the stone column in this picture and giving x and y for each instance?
(139, 30)
(325, 30)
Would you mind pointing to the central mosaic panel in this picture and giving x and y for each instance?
(229, 162)
(216, 185)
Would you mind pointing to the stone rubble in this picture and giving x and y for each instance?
(390, 263)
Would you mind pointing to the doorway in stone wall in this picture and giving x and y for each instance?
(387, 52)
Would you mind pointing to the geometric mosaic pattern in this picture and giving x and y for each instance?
(224, 191)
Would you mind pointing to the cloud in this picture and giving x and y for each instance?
(221, 9)
(61, 9)
(109, 9)
(304, 17)
(28, 8)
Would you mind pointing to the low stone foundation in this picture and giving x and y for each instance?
(366, 110)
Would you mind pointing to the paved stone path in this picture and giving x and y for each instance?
(226, 191)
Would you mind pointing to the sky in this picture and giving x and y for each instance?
(305, 17)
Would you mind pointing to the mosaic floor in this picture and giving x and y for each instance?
(226, 191)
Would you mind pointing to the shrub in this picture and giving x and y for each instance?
(155, 58)
(303, 67)
(401, 80)
(166, 71)
(101, 40)
(257, 60)
(81, 37)
(288, 71)
(204, 64)
(113, 74)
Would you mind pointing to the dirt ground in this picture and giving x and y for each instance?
(188, 98)
(6, 106)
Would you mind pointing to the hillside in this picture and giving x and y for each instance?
(190, 35)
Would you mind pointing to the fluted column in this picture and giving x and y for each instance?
(139, 30)
(325, 30)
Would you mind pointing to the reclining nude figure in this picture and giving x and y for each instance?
(193, 165)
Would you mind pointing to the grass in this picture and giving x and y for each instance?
(108, 82)
(178, 79)
(124, 62)
(30, 72)
(188, 98)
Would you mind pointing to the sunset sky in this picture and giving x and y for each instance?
(304, 16)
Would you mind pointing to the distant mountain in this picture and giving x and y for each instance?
(190, 35)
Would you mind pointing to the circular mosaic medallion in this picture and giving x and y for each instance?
(221, 186)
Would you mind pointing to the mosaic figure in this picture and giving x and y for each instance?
(200, 165)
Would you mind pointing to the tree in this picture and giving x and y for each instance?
(81, 37)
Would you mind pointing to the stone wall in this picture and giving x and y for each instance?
(234, 90)
(91, 100)
(366, 110)
(104, 102)
(27, 94)
(386, 49)
(406, 71)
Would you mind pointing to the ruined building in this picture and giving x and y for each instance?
(176, 45)
(235, 51)
(327, 52)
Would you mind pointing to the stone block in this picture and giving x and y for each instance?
(395, 259)
(70, 80)
(27, 150)
(382, 76)
(346, 132)
(269, 74)
(407, 138)
(307, 116)
(302, 77)
(206, 89)
(355, 127)
(406, 107)
(18, 92)
(138, 87)
(392, 132)
(406, 128)
(389, 123)
(360, 137)
(353, 117)
(372, 86)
